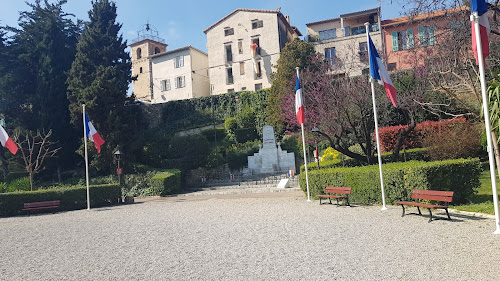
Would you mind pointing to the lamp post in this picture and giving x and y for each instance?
(119, 171)
(317, 131)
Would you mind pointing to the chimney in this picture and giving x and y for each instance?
(287, 17)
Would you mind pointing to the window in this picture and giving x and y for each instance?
(180, 82)
(228, 31)
(330, 55)
(258, 73)
(157, 50)
(358, 30)
(243, 88)
(140, 69)
(256, 41)
(230, 90)
(229, 53)
(258, 86)
(402, 40)
(165, 85)
(347, 31)
(257, 24)
(240, 46)
(426, 35)
(230, 78)
(179, 61)
(363, 51)
(242, 68)
(328, 34)
(139, 53)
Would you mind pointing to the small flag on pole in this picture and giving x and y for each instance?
(92, 134)
(480, 7)
(378, 72)
(7, 142)
(299, 104)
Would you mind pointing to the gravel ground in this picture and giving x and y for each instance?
(267, 236)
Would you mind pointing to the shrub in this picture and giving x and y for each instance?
(459, 140)
(18, 184)
(389, 135)
(166, 183)
(237, 156)
(460, 176)
(71, 198)
(187, 152)
(245, 134)
(230, 124)
(213, 135)
(330, 154)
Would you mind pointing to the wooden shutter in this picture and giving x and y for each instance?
(421, 36)
(394, 40)
(432, 37)
(409, 33)
(162, 85)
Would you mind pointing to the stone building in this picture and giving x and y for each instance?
(343, 41)
(243, 46)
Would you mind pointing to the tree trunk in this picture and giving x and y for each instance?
(402, 135)
(5, 167)
(494, 140)
(31, 180)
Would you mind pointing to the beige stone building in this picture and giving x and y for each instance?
(343, 40)
(142, 49)
(180, 74)
(233, 64)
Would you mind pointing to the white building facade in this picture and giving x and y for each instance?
(243, 47)
(180, 74)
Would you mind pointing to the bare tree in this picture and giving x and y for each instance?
(34, 149)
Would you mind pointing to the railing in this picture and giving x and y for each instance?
(147, 36)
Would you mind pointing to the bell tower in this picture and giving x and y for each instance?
(143, 48)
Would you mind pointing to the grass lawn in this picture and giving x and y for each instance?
(482, 201)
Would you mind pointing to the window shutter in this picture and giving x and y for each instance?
(168, 84)
(409, 33)
(183, 81)
(432, 38)
(394, 40)
(181, 61)
(176, 82)
(175, 62)
(347, 31)
(162, 85)
(421, 35)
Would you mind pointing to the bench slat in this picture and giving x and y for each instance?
(41, 205)
(432, 197)
(334, 189)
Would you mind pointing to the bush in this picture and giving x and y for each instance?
(237, 156)
(187, 152)
(330, 154)
(17, 184)
(460, 176)
(459, 140)
(166, 183)
(246, 134)
(214, 135)
(389, 135)
(71, 198)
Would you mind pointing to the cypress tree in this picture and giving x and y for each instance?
(99, 78)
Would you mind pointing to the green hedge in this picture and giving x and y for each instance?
(72, 198)
(166, 183)
(417, 154)
(460, 176)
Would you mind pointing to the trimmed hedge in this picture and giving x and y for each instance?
(416, 154)
(72, 198)
(166, 183)
(459, 175)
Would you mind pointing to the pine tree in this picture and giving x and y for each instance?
(99, 78)
(39, 56)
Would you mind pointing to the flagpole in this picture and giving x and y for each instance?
(304, 148)
(475, 18)
(384, 207)
(86, 157)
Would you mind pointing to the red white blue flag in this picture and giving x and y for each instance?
(7, 142)
(480, 7)
(299, 104)
(379, 73)
(92, 134)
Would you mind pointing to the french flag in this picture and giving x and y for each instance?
(299, 104)
(92, 134)
(480, 7)
(7, 142)
(378, 72)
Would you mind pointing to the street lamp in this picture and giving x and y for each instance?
(119, 171)
(317, 131)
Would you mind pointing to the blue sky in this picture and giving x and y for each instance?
(181, 23)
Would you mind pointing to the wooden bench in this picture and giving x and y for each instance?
(41, 205)
(337, 193)
(431, 195)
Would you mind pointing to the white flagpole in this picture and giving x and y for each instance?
(475, 17)
(86, 158)
(304, 148)
(384, 207)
